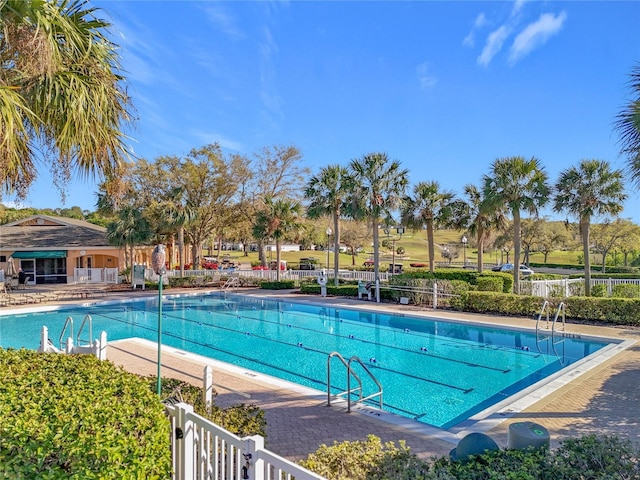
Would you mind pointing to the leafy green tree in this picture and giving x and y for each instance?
(130, 228)
(428, 207)
(628, 126)
(327, 193)
(609, 236)
(554, 235)
(62, 94)
(588, 190)
(519, 185)
(279, 219)
(379, 186)
(473, 215)
(275, 172)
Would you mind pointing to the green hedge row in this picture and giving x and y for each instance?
(281, 285)
(586, 458)
(73, 416)
(618, 311)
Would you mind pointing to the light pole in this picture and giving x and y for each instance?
(464, 249)
(399, 231)
(158, 259)
(329, 231)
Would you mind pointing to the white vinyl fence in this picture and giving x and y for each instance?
(203, 450)
(95, 275)
(570, 287)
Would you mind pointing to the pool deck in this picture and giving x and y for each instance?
(603, 399)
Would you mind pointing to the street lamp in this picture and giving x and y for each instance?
(158, 259)
(399, 231)
(329, 231)
(464, 248)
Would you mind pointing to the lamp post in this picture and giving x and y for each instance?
(399, 231)
(329, 232)
(158, 259)
(464, 248)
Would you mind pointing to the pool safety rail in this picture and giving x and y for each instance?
(97, 347)
(562, 309)
(351, 373)
(203, 450)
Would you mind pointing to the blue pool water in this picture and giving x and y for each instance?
(436, 372)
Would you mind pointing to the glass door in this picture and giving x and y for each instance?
(28, 266)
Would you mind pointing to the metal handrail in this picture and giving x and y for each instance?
(562, 307)
(545, 306)
(378, 393)
(346, 365)
(84, 320)
(350, 373)
(68, 322)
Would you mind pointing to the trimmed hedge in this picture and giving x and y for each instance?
(618, 311)
(587, 458)
(73, 416)
(281, 285)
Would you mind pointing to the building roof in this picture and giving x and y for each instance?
(46, 232)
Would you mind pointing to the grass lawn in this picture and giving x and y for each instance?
(415, 245)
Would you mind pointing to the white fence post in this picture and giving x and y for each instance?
(435, 295)
(254, 466)
(208, 386)
(184, 438)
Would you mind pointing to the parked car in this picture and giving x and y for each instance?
(308, 263)
(524, 270)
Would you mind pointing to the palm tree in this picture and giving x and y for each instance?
(378, 186)
(474, 214)
(327, 193)
(176, 215)
(589, 190)
(130, 228)
(60, 93)
(281, 217)
(428, 207)
(628, 126)
(517, 184)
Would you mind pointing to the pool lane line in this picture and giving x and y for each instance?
(315, 350)
(370, 342)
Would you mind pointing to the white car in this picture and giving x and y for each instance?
(524, 270)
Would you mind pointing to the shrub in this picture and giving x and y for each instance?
(281, 285)
(625, 290)
(243, 420)
(73, 416)
(598, 290)
(490, 284)
(590, 457)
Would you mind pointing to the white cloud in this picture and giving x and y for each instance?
(493, 45)
(480, 21)
(426, 79)
(517, 6)
(536, 34)
(207, 138)
(223, 21)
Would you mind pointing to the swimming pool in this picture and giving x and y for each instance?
(436, 372)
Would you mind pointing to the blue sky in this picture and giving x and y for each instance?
(443, 87)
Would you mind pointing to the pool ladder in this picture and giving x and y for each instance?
(562, 309)
(350, 372)
(68, 325)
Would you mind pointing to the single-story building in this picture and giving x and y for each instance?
(49, 249)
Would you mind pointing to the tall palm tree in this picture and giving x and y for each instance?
(589, 190)
(177, 214)
(517, 184)
(430, 207)
(378, 186)
(327, 193)
(628, 126)
(61, 93)
(474, 214)
(130, 228)
(280, 218)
